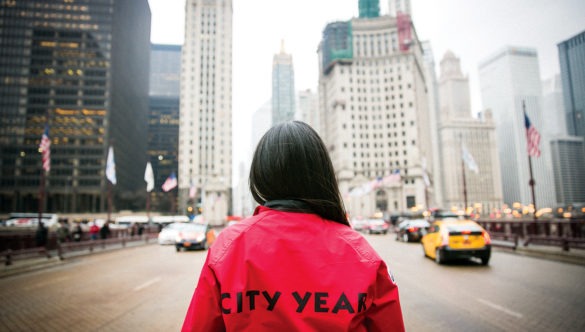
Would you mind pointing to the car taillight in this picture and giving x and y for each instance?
(486, 237)
(412, 229)
(466, 232)
(445, 237)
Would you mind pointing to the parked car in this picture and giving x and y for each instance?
(169, 233)
(412, 230)
(450, 239)
(377, 226)
(194, 236)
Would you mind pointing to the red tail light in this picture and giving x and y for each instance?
(486, 237)
(466, 232)
(412, 229)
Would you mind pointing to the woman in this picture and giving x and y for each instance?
(295, 265)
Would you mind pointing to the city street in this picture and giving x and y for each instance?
(148, 288)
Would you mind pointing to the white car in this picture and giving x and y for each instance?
(168, 234)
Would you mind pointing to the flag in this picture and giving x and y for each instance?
(45, 149)
(425, 174)
(111, 166)
(468, 158)
(192, 190)
(532, 138)
(170, 183)
(149, 177)
(394, 177)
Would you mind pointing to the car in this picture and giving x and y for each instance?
(412, 230)
(194, 236)
(359, 224)
(377, 226)
(450, 239)
(169, 233)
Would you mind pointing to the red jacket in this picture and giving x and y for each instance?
(284, 271)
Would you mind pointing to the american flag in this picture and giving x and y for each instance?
(170, 183)
(532, 138)
(45, 149)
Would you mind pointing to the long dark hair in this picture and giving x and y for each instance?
(292, 163)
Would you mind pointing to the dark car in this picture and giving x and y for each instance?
(193, 236)
(412, 230)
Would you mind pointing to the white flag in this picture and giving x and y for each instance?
(149, 177)
(468, 158)
(111, 167)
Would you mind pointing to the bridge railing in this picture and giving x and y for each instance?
(552, 232)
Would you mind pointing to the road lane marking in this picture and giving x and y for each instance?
(500, 308)
(146, 284)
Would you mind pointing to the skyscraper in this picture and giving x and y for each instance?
(375, 111)
(205, 130)
(163, 124)
(572, 60)
(308, 109)
(82, 68)
(508, 79)
(399, 6)
(369, 8)
(458, 132)
(283, 87)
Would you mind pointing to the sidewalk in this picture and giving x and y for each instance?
(554, 253)
(35, 264)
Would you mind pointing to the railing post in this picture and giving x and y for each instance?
(8, 257)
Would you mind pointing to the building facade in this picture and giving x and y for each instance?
(474, 189)
(399, 6)
(568, 160)
(163, 125)
(374, 112)
(509, 79)
(308, 109)
(572, 61)
(82, 69)
(283, 88)
(205, 129)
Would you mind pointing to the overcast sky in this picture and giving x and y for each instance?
(472, 29)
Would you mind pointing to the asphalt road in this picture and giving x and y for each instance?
(148, 288)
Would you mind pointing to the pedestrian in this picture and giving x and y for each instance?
(93, 231)
(134, 229)
(105, 231)
(296, 264)
(62, 232)
(77, 233)
(41, 235)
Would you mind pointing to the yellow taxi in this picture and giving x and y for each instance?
(453, 238)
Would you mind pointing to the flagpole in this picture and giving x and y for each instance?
(109, 199)
(464, 181)
(531, 182)
(148, 205)
(43, 178)
(41, 195)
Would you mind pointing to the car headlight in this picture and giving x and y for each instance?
(200, 238)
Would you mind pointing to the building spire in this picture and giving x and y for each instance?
(282, 46)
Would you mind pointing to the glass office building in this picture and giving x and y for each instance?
(80, 67)
(572, 61)
(163, 125)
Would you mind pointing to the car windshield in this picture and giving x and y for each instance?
(194, 227)
(464, 227)
(417, 223)
(175, 226)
